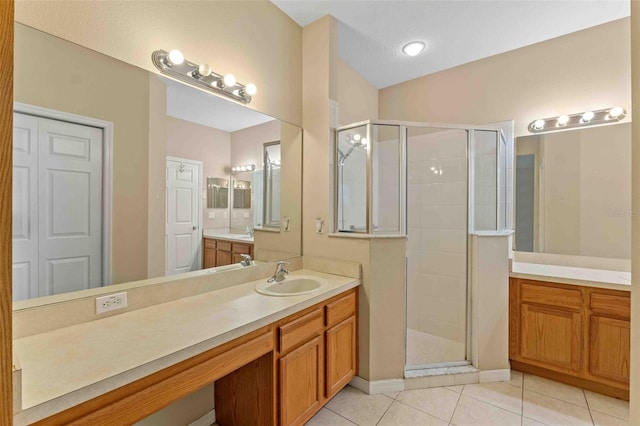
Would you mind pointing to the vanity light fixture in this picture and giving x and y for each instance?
(243, 168)
(174, 64)
(587, 118)
(413, 48)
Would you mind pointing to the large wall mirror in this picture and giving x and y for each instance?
(573, 192)
(118, 171)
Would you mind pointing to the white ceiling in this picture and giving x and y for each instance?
(372, 33)
(191, 104)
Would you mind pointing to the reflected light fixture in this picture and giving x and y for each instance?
(581, 119)
(174, 64)
(413, 48)
(243, 168)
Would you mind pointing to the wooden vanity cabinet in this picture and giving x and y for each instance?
(223, 252)
(574, 334)
(317, 357)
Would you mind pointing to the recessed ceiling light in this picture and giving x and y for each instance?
(413, 48)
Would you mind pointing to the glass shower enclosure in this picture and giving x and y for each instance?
(436, 184)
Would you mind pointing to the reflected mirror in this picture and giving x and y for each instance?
(119, 173)
(217, 193)
(573, 192)
(271, 184)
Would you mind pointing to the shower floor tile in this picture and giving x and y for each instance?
(424, 348)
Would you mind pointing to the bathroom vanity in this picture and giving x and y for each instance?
(221, 250)
(576, 334)
(274, 360)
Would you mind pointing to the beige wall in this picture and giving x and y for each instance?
(80, 81)
(157, 177)
(635, 271)
(559, 76)
(357, 98)
(254, 40)
(382, 310)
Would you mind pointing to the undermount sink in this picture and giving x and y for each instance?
(294, 285)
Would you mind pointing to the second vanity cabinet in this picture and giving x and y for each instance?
(317, 357)
(576, 334)
(223, 252)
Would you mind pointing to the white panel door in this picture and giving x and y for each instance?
(183, 216)
(70, 211)
(25, 207)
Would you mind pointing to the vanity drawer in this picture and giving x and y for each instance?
(611, 305)
(300, 330)
(224, 245)
(241, 248)
(209, 244)
(340, 309)
(551, 296)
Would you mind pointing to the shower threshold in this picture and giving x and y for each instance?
(465, 367)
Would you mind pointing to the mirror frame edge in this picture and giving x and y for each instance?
(6, 132)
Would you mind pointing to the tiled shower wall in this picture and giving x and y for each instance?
(437, 234)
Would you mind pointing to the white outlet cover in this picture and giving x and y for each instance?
(111, 302)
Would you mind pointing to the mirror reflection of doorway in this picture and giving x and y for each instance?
(57, 206)
(183, 215)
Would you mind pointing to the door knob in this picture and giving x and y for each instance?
(195, 227)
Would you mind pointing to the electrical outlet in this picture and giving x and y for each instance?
(111, 302)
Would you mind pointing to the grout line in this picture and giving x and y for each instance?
(457, 402)
(385, 412)
(337, 414)
(588, 407)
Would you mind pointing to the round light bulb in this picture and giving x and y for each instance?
(413, 48)
(364, 141)
(587, 116)
(357, 137)
(538, 125)
(616, 112)
(229, 80)
(251, 89)
(204, 70)
(176, 57)
(563, 120)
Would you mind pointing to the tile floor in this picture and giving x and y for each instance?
(525, 400)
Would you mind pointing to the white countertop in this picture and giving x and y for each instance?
(227, 236)
(67, 366)
(616, 280)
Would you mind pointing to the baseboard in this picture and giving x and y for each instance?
(206, 420)
(503, 375)
(377, 386)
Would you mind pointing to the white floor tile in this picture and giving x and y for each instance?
(553, 411)
(358, 407)
(500, 394)
(608, 405)
(400, 414)
(392, 395)
(516, 378)
(530, 422)
(555, 389)
(456, 388)
(437, 402)
(326, 417)
(472, 412)
(600, 419)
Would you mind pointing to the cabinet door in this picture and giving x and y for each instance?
(610, 348)
(301, 377)
(341, 355)
(236, 258)
(223, 258)
(209, 258)
(551, 336)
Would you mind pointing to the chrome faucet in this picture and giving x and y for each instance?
(249, 231)
(246, 260)
(280, 273)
